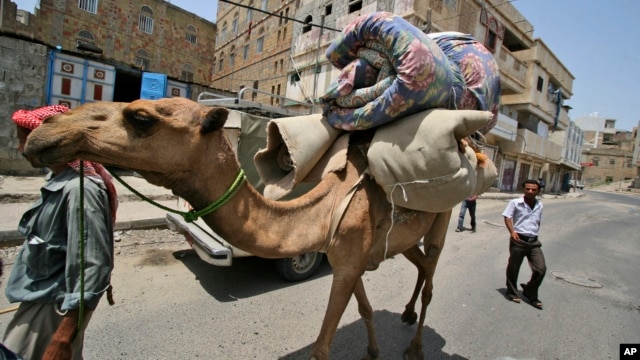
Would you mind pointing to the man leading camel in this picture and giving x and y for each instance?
(46, 277)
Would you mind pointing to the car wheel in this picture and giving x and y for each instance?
(300, 267)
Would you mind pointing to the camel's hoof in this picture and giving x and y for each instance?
(409, 317)
(413, 354)
(372, 354)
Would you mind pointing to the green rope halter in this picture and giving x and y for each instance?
(193, 215)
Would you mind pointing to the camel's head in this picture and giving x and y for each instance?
(159, 138)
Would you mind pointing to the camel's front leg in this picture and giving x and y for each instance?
(366, 312)
(342, 286)
(433, 244)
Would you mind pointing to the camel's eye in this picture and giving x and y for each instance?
(141, 121)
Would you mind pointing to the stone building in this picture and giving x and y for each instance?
(71, 52)
(608, 153)
(253, 45)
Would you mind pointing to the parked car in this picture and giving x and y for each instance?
(247, 134)
(576, 183)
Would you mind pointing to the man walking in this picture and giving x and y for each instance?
(522, 218)
(467, 204)
(62, 270)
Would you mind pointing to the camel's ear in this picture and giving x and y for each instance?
(215, 118)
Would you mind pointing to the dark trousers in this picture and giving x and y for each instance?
(471, 206)
(518, 250)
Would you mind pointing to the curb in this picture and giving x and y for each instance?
(14, 237)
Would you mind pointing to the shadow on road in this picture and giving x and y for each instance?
(247, 277)
(393, 338)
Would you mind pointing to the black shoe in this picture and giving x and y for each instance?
(458, 230)
(473, 230)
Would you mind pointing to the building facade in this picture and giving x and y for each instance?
(608, 153)
(71, 52)
(252, 55)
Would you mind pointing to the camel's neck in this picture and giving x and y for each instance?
(267, 228)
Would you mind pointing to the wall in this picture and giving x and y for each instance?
(23, 71)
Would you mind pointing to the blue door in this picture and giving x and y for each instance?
(154, 86)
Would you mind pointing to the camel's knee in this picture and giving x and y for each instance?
(432, 251)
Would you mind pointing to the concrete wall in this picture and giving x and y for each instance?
(23, 71)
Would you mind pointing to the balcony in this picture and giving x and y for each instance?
(531, 144)
(513, 72)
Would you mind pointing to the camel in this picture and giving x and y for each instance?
(181, 145)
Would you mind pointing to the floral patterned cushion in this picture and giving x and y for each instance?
(390, 69)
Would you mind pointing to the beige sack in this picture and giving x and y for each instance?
(417, 162)
(295, 145)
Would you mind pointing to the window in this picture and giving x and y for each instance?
(142, 59)
(86, 35)
(232, 57)
(595, 161)
(145, 20)
(273, 91)
(612, 161)
(234, 24)
(245, 52)
(187, 73)
(221, 62)
(259, 44)
(540, 83)
(192, 34)
(253, 93)
(275, 66)
(307, 24)
(355, 6)
(223, 34)
(328, 9)
(249, 12)
(286, 15)
(490, 39)
(213, 68)
(88, 5)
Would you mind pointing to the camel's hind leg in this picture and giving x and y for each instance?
(433, 244)
(415, 255)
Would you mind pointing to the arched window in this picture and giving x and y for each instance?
(232, 57)
(223, 34)
(221, 62)
(187, 73)
(234, 24)
(260, 41)
(249, 14)
(142, 59)
(191, 34)
(145, 20)
(307, 24)
(86, 36)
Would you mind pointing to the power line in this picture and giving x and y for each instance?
(278, 15)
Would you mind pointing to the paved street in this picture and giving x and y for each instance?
(170, 305)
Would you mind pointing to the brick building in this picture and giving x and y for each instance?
(253, 49)
(152, 35)
(608, 153)
(71, 52)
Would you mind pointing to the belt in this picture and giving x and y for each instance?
(526, 238)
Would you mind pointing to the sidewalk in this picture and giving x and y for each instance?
(17, 193)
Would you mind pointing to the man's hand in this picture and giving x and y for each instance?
(60, 346)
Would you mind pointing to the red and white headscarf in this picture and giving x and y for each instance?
(31, 119)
